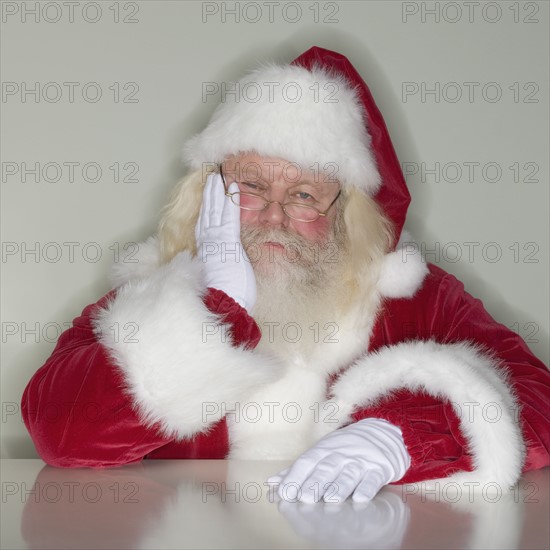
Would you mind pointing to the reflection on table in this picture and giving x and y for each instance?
(228, 504)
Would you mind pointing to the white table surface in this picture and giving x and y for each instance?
(227, 504)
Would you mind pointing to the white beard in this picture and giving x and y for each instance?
(299, 293)
(310, 323)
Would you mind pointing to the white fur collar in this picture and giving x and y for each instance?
(402, 272)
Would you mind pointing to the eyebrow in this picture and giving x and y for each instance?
(262, 179)
(303, 181)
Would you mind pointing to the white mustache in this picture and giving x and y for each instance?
(259, 235)
(298, 252)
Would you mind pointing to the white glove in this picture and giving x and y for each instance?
(360, 459)
(218, 235)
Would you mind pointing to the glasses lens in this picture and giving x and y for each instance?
(248, 201)
(301, 213)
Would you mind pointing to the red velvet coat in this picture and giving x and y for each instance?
(79, 414)
(136, 377)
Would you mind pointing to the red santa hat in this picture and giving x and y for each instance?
(317, 112)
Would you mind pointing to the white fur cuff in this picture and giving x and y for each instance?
(176, 356)
(468, 377)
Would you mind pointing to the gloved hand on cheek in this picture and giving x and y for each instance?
(218, 235)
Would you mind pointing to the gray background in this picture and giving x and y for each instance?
(158, 57)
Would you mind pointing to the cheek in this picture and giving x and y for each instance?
(314, 231)
(249, 216)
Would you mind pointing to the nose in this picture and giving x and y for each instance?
(273, 213)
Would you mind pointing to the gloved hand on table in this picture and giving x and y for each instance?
(356, 460)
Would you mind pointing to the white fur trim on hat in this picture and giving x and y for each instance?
(403, 270)
(310, 117)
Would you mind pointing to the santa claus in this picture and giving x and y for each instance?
(282, 313)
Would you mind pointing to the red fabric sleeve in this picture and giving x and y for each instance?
(444, 312)
(75, 407)
(244, 330)
(431, 434)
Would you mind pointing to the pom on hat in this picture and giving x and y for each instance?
(309, 116)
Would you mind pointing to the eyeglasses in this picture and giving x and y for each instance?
(294, 210)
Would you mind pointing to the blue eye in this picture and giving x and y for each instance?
(302, 195)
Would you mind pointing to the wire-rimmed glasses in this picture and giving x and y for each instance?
(295, 211)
